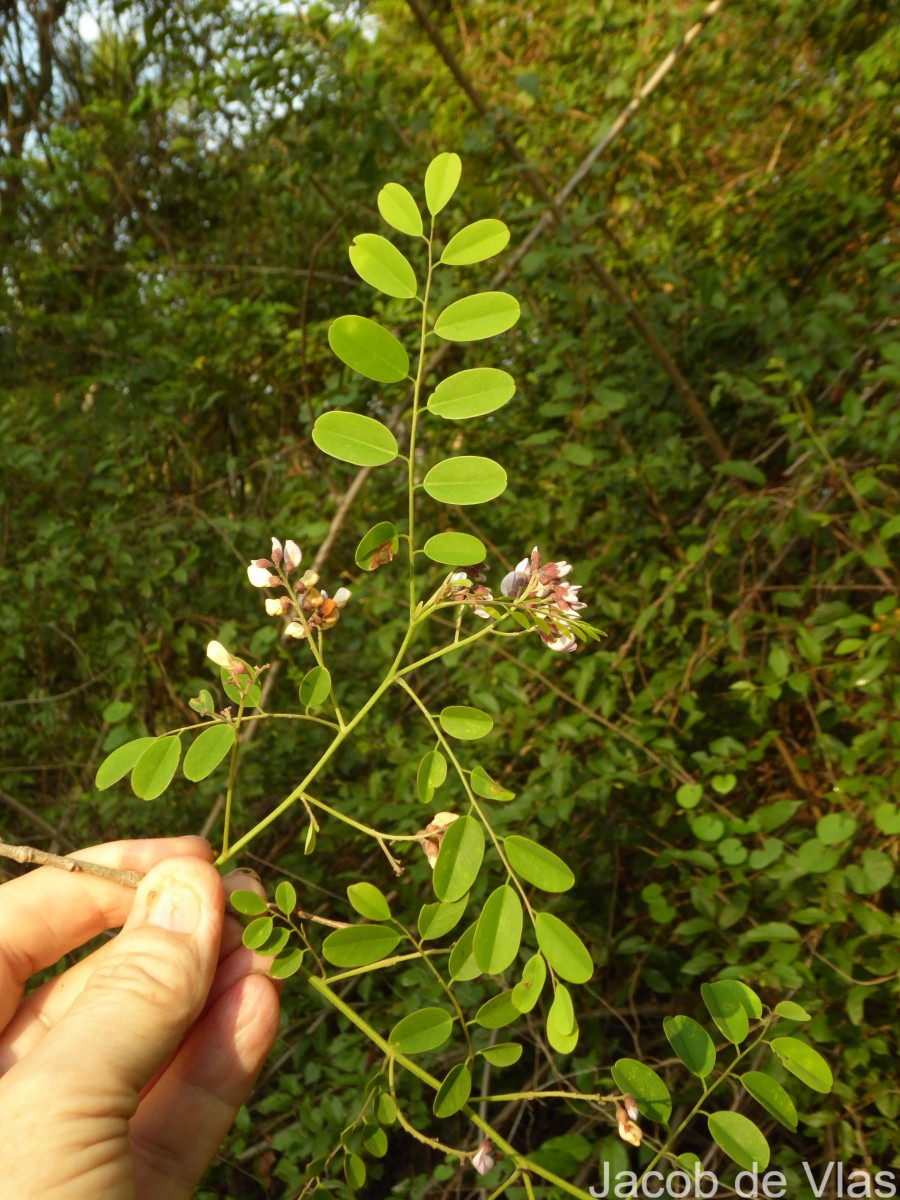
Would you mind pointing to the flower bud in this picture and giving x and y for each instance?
(260, 575)
(276, 551)
(293, 556)
(222, 657)
(483, 1158)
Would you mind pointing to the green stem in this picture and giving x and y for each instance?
(411, 462)
(520, 1161)
(328, 753)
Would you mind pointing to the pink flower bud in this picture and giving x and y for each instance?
(276, 551)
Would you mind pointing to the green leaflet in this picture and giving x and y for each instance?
(441, 181)
(366, 347)
(474, 318)
(207, 750)
(455, 549)
(354, 438)
(471, 393)
(476, 242)
(499, 930)
(468, 479)
(380, 264)
(459, 860)
(399, 209)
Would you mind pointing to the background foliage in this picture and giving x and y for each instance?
(707, 425)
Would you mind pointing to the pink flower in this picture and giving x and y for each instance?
(542, 590)
(483, 1158)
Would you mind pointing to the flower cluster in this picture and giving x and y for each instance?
(313, 607)
(545, 593)
(467, 587)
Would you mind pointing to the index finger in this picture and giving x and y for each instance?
(47, 913)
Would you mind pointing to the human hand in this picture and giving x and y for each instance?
(120, 1077)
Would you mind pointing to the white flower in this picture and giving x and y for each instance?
(483, 1158)
(222, 657)
(275, 608)
(341, 596)
(295, 630)
(293, 556)
(261, 576)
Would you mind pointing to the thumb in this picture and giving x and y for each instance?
(149, 989)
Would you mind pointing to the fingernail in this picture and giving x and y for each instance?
(247, 871)
(175, 907)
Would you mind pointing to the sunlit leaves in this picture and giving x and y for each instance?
(459, 860)
(499, 931)
(691, 1043)
(377, 547)
(315, 687)
(482, 785)
(538, 865)
(354, 438)
(424, 1030)
(803, 1061)
(431, 774)
(441, 181)
(380, 264)
(471, 393)
(118, 764)
(257, 933)
(740, 1139)
(287, 964)
(527, 992)
(475, 243)
(464, 723)
(369, 901)
(207, 750)
(154, 770)
(563, 948)
(645, 1087)
(247, 903)
(468, 479)
(473, 318)
(437, 919)
(455, 549)
(366, 347)
(286, 897)
(399, 209)
(359, 945)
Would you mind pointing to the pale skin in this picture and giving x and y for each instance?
(120, 1077)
